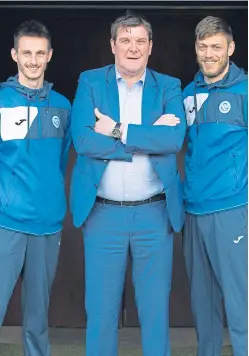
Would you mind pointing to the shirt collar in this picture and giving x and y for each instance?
(140, 81)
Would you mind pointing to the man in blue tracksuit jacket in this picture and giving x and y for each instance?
(215, 190)
(34, 143)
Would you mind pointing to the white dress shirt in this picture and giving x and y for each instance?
(136, 180)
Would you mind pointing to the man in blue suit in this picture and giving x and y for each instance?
(128, 123)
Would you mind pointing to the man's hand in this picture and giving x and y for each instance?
(104, 124)
(168, 120)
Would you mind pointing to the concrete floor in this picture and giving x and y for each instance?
(128, 337)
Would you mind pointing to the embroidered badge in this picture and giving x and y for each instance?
(56, 121)
(225, 107)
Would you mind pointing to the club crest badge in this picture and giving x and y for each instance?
(56, 121)
(225, 107)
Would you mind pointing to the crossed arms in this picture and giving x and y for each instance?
(93, 138)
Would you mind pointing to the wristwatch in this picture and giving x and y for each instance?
(116, 133)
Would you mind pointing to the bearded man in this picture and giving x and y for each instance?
(215, 190)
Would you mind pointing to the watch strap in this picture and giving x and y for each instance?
(118, 125)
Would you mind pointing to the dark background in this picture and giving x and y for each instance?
(80, 38)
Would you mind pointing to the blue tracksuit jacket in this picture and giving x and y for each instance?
(34, 142)
(217, 156)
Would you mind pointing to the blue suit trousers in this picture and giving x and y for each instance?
(110, 234)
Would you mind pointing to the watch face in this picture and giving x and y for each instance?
(116, 133)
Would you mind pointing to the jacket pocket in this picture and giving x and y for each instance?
(235, 170)
(10, 189)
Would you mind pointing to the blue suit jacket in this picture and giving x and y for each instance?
(161, 95)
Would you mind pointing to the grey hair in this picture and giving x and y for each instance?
(130, 20)
(210, 26)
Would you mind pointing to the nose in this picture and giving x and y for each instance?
(33, 59)
(209, 52)
(133, 46)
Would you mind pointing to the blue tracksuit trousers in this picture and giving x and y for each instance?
(35, 258)
(215, 249)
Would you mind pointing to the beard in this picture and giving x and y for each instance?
(27, 73)
(221, 69)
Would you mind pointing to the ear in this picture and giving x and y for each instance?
(14, 54)
(113, 46)
(231, 48)
(150, 47)
(50, 53)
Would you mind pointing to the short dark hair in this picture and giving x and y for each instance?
(130, 19)
(210, 26)
(32, 28)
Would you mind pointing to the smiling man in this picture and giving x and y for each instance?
(215, 190)
(128, 123)
(34, 142)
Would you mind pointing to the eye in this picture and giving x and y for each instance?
(125, 41)
(141, 42)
